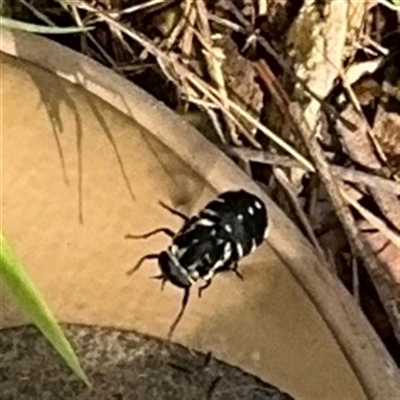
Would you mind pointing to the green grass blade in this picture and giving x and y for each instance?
(34, 28)
(13, 274)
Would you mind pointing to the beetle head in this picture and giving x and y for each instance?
(172, 271)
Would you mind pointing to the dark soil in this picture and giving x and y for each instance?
(120, 365)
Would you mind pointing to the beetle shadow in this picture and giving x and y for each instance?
(55, 93)
(186, 186)
(53, 97)
(51, 100)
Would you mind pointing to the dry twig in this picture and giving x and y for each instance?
(347, 174)
(172, 60)
(335, 189)
(372, 219)
(287, 186)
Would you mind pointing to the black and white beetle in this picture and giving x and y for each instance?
(230, 227)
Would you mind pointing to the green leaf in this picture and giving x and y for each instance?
(13, 274)
(396, 3)
(34, 28)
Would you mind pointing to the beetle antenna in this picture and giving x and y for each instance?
(185, 301)
(174, 212)
(164, 230)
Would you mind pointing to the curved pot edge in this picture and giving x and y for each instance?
(368, 357)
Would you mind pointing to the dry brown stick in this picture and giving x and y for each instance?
(373, 220)
(100, 48)
(211, 93)
(186, 42)
(226, 23)
(347, 174)
(356, 104)
(214, 60)
(334, 188)
(262, 8)
(184, 21)
(247, 29)
(213, 114)
(172, 59)
(37, 13)
(136, 8)
(352, 175)
(287, 186)
(356, 280)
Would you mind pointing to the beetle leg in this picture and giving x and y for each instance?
(175, 212)
(140, 262)
(162, 278)
(185, 301)
(167, 231)
(237, 273)
(205, 286)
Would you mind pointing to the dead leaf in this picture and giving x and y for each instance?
(355, 139)
(387, 253)
(387, 132)
(240, 79)
(321, 38)
(357, 70)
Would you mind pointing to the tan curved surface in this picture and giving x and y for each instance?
(66, 156)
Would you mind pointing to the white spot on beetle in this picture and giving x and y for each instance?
(210, 273)
(258, 205)
(253, 245)
(239, 249)
(250, 210)
(205, 222)
(239, 217)
(174, 249)
(227, 251)
(208, 211)
(217, 265)
(228, 228)
(195, 275)
(179, 252)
